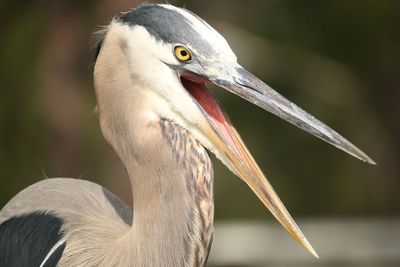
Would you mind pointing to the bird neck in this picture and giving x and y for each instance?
(170, 172)
(173, 200)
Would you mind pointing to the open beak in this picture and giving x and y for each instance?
(230, 148)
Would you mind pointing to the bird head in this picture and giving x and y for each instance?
(174, 54)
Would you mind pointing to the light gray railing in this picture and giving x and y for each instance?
(345, 242)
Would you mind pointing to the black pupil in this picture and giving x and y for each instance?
(184, 53)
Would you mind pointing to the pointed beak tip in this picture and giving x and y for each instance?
(365, 158)
(371, 161)
(307, 245)
(312, 251)
(315, 255)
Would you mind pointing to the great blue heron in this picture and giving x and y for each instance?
(150, 77)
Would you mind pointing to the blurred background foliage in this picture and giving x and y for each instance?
(338, 59)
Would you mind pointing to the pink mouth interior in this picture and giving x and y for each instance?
(206, 99)
(210, 105)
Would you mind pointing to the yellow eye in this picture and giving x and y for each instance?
(182, 53)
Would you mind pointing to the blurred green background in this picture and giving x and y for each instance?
(338, 59)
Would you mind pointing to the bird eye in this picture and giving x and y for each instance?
(182, 53)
